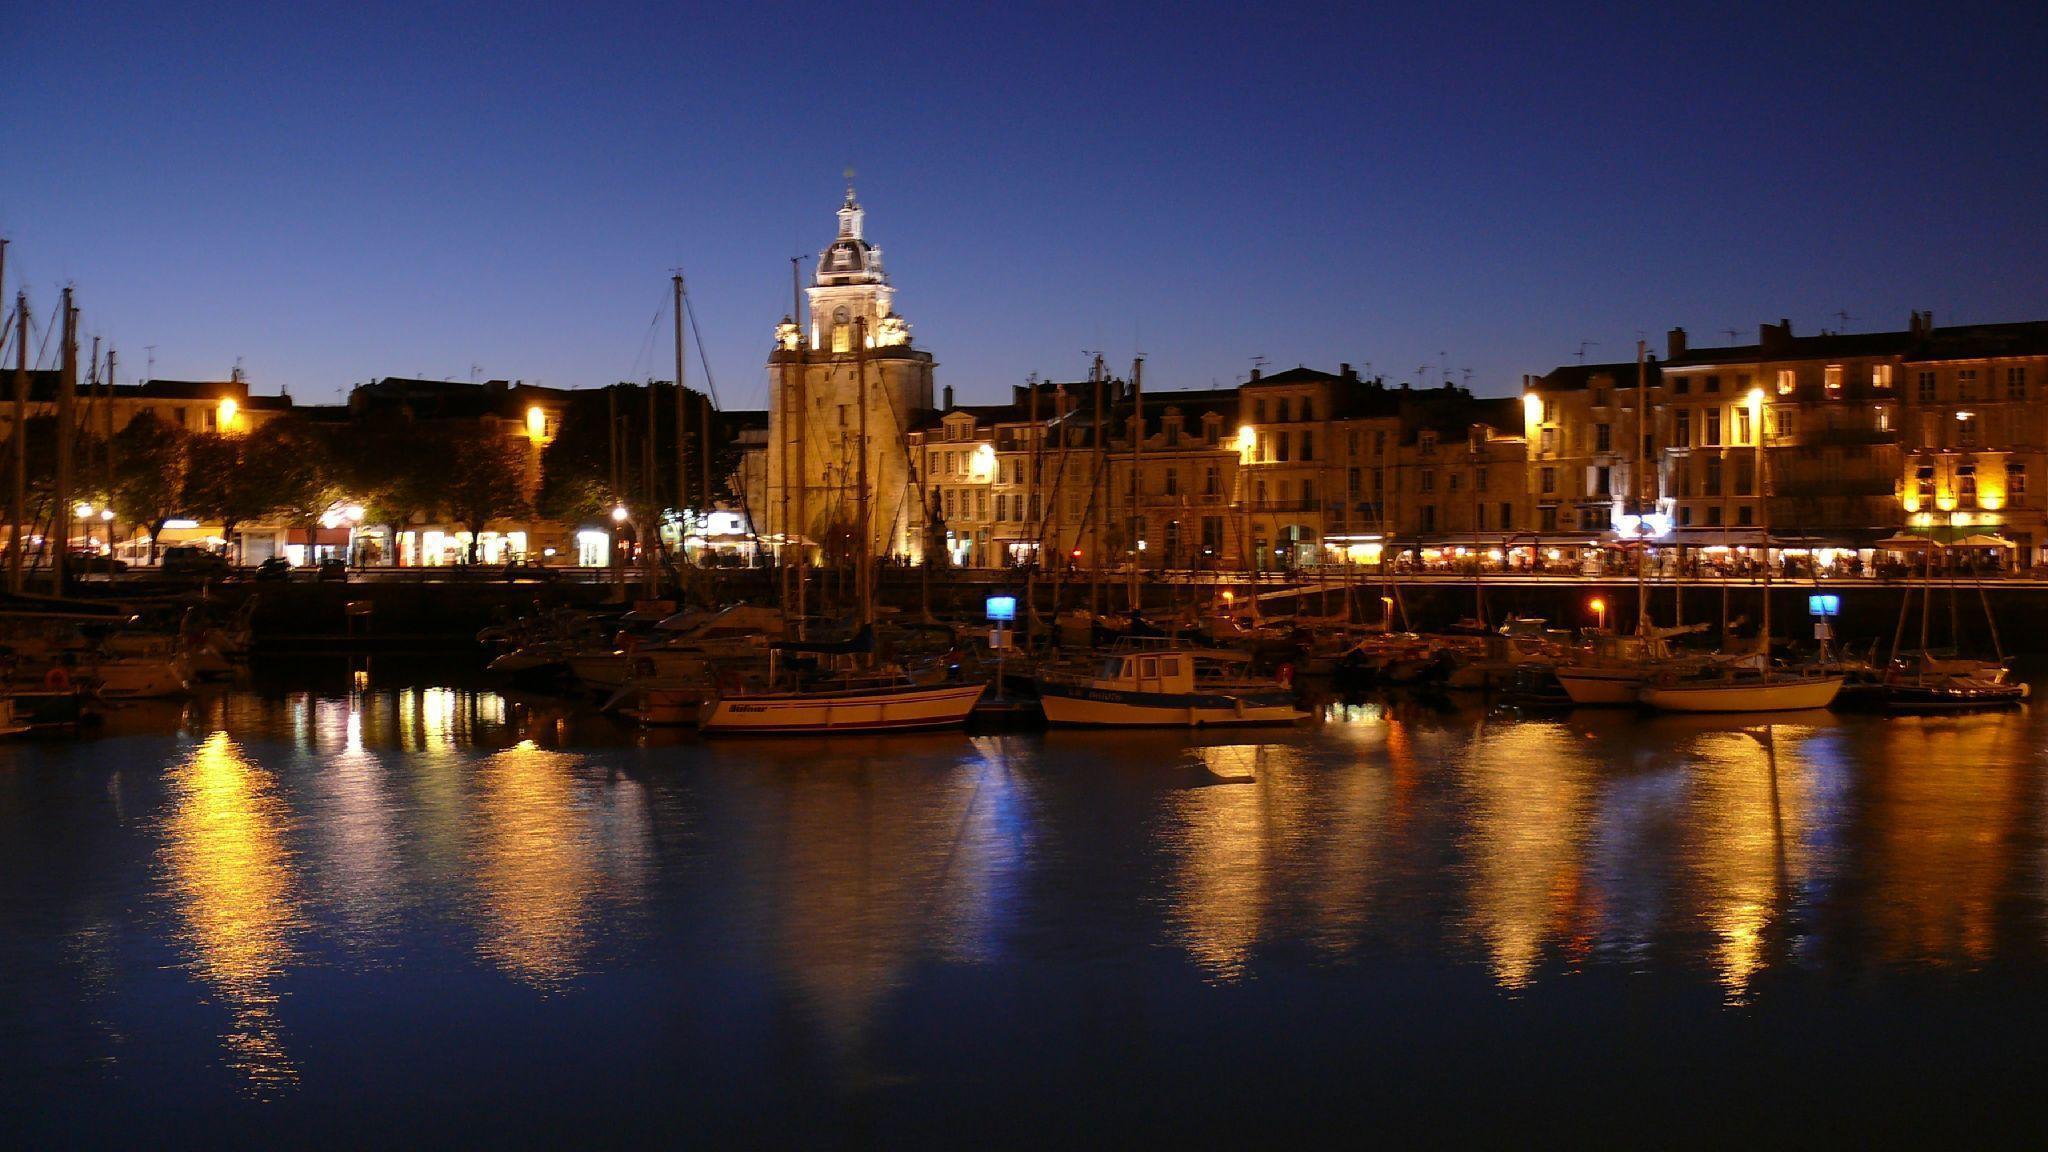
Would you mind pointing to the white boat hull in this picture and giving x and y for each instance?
(943, 706)
(142, 679)
(1786, 695)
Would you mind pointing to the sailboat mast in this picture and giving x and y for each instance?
(682, 413)
(1135, 592)
(1096, 494)
(67, 384)
(866, 579)
(19, 512)
(1763, 508)
(1635, 489)
(107, 440)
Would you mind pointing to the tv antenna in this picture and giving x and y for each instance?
(1842, 314)
(1585, 344)
(1732, 334)
(149, 371)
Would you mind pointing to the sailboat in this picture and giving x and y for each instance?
(1926, 680)
(846, 691)
(1737, 689)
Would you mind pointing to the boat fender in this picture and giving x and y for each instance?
(57, 679)
(1285, 676)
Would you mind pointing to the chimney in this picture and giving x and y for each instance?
(1349, 373)
(946, 399)
(1674, 343)
(1773, 338)
(1923, 323)
(1255, 375)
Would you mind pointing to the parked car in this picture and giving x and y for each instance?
(275, 568)
(527, 570)
(191, 560)
(332, 568)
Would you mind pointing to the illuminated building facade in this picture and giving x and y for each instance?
(846, 366)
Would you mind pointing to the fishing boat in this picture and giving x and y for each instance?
(1615, 668)
(1166, 686)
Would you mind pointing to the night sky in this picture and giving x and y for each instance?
(412, 190)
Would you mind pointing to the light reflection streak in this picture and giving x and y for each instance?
(231, 881)
(1532, 797)
(535, 867)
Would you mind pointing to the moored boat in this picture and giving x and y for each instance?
(1165, 686)
(1738, 692)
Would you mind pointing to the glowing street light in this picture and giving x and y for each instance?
(1599, 606)
(618, 513)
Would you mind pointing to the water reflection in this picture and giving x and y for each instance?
(536, 871)
(1945, 799)
(231, 882)
(1746, 814)
(1531, 790)
(878, 864)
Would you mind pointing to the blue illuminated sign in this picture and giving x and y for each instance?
(1827, 604)
(1002, 607)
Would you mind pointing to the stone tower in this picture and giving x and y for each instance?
(814, 408)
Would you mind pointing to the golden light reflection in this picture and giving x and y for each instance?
(231, 878)
(536, 869)
(1224, 839)
(1532, 792)
(1748, 813)
(1945, 799)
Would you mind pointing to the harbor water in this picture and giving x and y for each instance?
(341, 905)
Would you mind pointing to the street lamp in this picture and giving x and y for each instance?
(1599, 606)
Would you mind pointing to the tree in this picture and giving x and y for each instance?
(293, 472)
(219, 485)
(486, 481)
(396, 468)
(150, 462)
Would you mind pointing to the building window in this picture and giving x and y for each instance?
(1966, 485)
(1603, 438)
(1831, 377)
(1788, 381)
(1712, 484)
(1308, 444)
(1212, 481)
(1286, 407)
(1966, 429)
(1681, 384)
(1172, 481)
(1259, 410)
(2016, 484)
(1549, 481)
(1713, 515)
(1681, 428)
(1308, 407)
(1602, 481)
(1507, 516)
(1547, 442)
(1742, 429)
(1002, 507)
(1880, 376)
(1966, 383)
(2016, 383)
(1479, 479)
(1425, 520)
(1745, 516)
(1280, 444)
(1379, 443)
(1710, 430)
(1427, 442)
(1713, 384)
(1455, 482)
(1925, 384)
(1884, 418)
(1546, 518)
(1429, 480)
(1352, 486)
(1685, 515)
(1308, 492)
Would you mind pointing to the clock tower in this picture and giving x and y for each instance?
(851, 348)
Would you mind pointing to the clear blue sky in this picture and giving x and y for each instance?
(415, 189)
